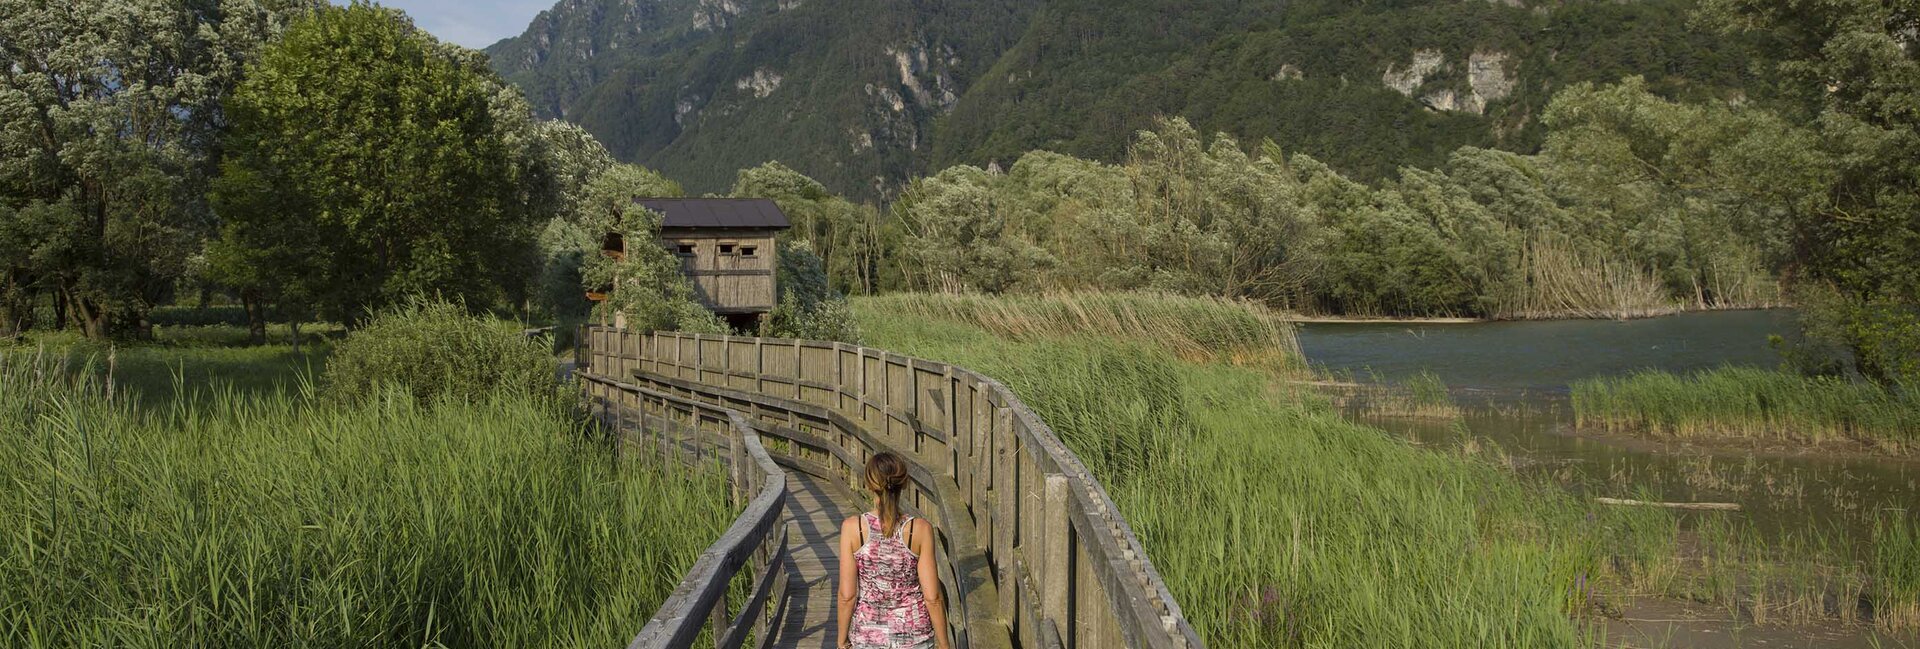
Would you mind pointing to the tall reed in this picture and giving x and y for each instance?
(1563, 281)
(1752, 403)
(227, 518)
(1193, 327)
(1280, 524)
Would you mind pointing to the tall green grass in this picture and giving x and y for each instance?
(1278, 523)
(228, 518)
(1193, 327)
(189, 358)
(1752, 403)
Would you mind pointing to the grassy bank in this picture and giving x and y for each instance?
(261, 514)
(1279, 523)
(1752, 403)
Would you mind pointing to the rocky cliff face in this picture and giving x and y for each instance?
(1485, 81)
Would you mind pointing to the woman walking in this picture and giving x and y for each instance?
(889, 588)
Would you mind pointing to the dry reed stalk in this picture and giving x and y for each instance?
(1563, 281)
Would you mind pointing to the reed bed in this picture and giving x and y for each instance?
(1562, 281)
(1202, 328)
(1763, 404)
(1423, 395)
(1279, 523)
(229, 518)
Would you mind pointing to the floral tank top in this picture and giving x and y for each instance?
(891, 611)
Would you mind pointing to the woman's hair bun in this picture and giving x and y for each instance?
(886, 472)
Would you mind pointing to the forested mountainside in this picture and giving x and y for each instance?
(846, 91)
(863, 94)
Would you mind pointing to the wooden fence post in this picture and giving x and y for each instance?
(1056, 564)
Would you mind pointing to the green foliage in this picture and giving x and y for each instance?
(1851, 64)
(809, 308)
(109, 121)
(435, 351)
(236, 520)
(646, 285)
(1638, 206)
(574, 160)
(198, 317)
(849, 240)
(960, 233)
(367, 162)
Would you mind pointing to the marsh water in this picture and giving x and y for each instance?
(1512, 380)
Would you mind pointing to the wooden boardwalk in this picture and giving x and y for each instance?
(1031, 550)
(815, 509)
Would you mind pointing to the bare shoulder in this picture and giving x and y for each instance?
(851, 525)
(922, 533)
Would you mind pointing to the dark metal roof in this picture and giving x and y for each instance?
(717, 212)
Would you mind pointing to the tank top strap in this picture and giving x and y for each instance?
(900, 531)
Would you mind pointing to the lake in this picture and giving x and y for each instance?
(1512, 379)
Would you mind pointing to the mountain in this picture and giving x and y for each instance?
(863, 94)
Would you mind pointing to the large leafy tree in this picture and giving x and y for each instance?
(1852, 64)
(109, 113)
(369, 162)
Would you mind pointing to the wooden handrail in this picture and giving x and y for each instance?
(757, 538)
(1034, 552)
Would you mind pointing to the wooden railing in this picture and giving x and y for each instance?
(1032, 551)
(695, 432)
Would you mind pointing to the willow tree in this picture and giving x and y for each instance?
(1855, 65)
(369, 162)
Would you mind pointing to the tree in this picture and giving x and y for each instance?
(1697, 192)
(958, 234)
(369, 162)
(845, 236)
(109, 113)
(572, 159)
(1852, 63)
(646, 285)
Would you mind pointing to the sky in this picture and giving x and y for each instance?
(473, 23)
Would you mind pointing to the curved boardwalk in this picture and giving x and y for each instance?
(813, 535)
(1031, 551)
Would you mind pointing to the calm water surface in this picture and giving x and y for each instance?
(1513, 378)
(1545, 356)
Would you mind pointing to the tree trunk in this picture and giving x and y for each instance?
(294, 324)
(94, 322)
(256, 317)
(60, 311)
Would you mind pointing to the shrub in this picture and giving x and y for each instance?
(809, 308)
(436, 350)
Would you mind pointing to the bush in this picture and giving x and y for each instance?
(436, 350)
(809, 308)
